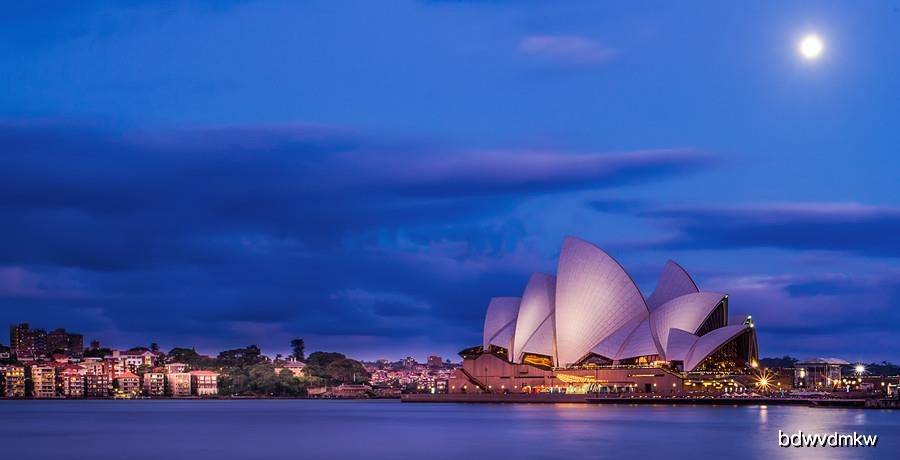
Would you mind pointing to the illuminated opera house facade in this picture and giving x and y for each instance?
(590, 329)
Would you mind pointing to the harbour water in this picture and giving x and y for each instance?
(310, 429)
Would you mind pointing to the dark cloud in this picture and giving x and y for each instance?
(832, 286)
(847, 227)
(612, 206)
(255, 233)
(41, 22)
(137, 200)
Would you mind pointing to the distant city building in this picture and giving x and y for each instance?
(435, 361)
(155, 384)
(409, 362)
(95, 345)
(179, 384)
(138, 358)
(43, 379)
(127, 385)
(5, 354)
(76, 345)
(205, 383)
(26, 343)
(295, 368)
(58, 339)
(70, 382)
(69, 344)
(13, 381)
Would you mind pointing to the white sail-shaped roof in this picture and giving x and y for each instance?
(543, 342)
(611, 345)
(674, 281)
(534, 325)
(679, 344)
(639, 343)
(737, 319)
(710, 342)
(595, 297)
(500, 321)
(686, 312)
(504, 338)
(593, 307)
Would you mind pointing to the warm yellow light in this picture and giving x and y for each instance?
(860, 369)
(811, 46)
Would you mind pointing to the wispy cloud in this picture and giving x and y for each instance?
(846, 227)
(567, 50)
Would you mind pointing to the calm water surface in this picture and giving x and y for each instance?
(222, 430)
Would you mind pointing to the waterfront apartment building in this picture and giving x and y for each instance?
(70, 382)
(43, 379)
(154, 384)
(176, 368)
(132, 362)
(205, 383)
(93, 366)
(13, 381)
(96, 385)
(127, 385)
(115, 364)
(179, 384)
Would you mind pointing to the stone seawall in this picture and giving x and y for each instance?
(495, 398)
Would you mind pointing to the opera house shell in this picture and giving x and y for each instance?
(592, 315)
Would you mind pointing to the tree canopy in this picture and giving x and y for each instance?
(190, 357)
(297, 349)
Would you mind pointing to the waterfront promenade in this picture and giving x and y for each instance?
(643, 400)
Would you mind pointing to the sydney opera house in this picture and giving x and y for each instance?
(590, 329)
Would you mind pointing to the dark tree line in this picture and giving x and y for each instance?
(247, 372)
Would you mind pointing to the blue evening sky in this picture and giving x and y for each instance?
(366, 175)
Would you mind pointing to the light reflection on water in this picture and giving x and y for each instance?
(390, 430)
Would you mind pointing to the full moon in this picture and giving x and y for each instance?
(811, 46)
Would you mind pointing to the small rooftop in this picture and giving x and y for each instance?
(203, 373)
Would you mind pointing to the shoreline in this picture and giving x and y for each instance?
(487, 398)
(584, 399)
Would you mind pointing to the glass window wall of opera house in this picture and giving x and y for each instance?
(589, 329)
